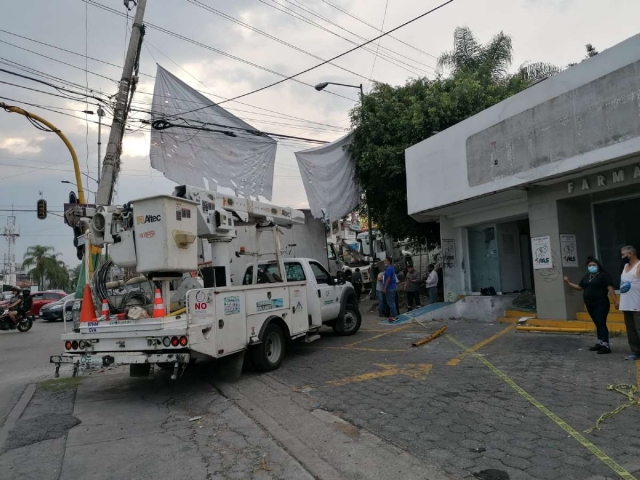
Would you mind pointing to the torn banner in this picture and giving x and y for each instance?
(243, 162)
(328, 177)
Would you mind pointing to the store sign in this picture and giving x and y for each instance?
(569, 249)
(541, 248)
(620, 175)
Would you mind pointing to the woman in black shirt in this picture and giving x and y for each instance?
(596, 285)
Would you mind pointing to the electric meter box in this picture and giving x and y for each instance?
(165, 234)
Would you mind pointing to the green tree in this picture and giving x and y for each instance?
(47, 270)
(392, 119)
(41, 258)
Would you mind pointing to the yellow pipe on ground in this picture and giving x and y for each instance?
(434, 335)
(555, 329)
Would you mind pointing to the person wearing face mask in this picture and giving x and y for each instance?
(630, 299)
(596, 286)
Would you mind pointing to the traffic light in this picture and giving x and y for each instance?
(42, 209)
(78, 239)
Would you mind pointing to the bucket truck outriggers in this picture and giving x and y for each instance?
(279, 300)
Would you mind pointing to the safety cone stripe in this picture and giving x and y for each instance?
(158, 306)
(87, 311)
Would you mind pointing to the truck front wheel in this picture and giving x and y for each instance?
(268, 355)
(349, 324)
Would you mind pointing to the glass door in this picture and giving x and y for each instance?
(483, 259)
(616, 225)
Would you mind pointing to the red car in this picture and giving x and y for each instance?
(40, 299)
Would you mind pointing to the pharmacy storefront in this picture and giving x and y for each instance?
(527, 190)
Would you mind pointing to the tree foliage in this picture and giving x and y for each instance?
(47, 271)
(391, 119)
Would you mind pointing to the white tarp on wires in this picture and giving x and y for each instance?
(328, 177)
(243, 162)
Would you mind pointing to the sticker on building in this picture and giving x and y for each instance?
(231, 305)
(449, 252)
(541, 248)
(569, 249)
(264, 305)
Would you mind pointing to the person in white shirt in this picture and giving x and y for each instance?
(432, 284)
(630, 298)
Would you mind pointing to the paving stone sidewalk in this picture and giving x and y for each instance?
(465, 418)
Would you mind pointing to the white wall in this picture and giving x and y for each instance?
(436, 168)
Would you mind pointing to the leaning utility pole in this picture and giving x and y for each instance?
(111, 163)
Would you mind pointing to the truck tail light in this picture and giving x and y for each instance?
(166, 341)
(175, 341)
(67, 345)
(183, 341)
(74, 345)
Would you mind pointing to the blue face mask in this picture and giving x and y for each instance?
(592, 269)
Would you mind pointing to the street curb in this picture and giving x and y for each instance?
(300, 452)
(16, 413)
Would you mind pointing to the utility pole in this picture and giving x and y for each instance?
(10, 232)
(111, 163)
(100, 113)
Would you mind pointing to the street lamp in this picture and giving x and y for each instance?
(319, 87)
(71, 183)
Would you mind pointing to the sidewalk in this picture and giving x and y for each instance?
(117, 427)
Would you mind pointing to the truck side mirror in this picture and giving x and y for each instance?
(340, 280)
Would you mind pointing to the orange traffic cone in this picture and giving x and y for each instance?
(158, 306)
(104, 315)
(88, 311)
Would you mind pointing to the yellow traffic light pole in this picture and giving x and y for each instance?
(76, 166)
(74, 157)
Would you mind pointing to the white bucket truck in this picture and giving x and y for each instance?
(279, 300)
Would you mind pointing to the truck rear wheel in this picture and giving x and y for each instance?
(349, 324)
(268, 355)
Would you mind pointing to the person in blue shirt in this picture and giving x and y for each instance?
(389, 288)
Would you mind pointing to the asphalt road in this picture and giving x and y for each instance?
(24, 359)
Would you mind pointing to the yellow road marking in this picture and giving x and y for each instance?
(419, 371)
(603, 457)
(363, 349)
(381, 335)
(455, 361)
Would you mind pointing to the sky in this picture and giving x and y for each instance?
(33, 163)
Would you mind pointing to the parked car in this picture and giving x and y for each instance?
(40, 299)
(52, 312)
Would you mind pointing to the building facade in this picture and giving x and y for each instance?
(526, 190)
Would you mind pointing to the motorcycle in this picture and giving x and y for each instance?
(24, 323)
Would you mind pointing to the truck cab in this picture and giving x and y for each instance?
(330, 299)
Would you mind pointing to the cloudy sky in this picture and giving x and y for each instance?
(33, 163)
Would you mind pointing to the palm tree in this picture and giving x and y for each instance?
(469, 56)
(43, 259)
(491, 60)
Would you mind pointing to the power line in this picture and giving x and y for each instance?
(60, 89)
(304, 8)
(384, 17)
(208, 47)
(377, 29)
(265, 34)
(56, 60)
(292, 13)
(291, 77)
(66, 50)
(278, 114)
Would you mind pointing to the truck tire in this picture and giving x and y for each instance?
(349, 324)
(268, 355)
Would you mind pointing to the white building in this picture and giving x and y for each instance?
(556, 166)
